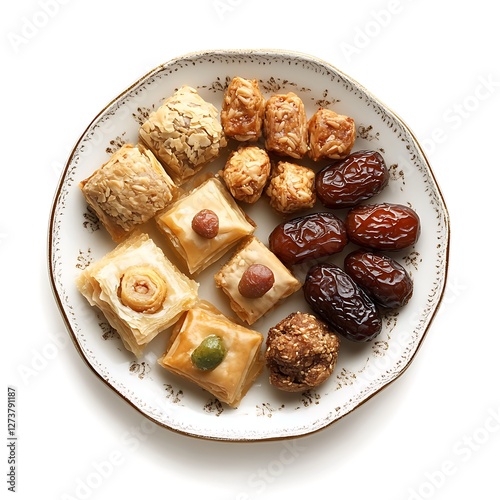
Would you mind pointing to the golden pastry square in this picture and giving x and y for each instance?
(128, 190)
(185, 133)
(197, 250)
(253, 252)
(243, 361)
(140, 292)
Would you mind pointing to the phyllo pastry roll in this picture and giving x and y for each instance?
(128, 190)
(243, 110)
(255, 280)
(185, 133)
(285, 125)
(331, 136)
(140, 292)
(246, 173)
(215, 353)
(204, 224)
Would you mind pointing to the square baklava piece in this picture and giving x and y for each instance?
(204, 224)
(139, 291)
(255, 280)
(185, 133)
(215, 353)
(128, 190)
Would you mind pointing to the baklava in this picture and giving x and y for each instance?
(139, 291)
(229, 365)
(255, 280)
(185, 133)
(204, 224)
(128, 190)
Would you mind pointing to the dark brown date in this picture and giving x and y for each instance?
(345, 183)
(383, 226)
(383, 279)
(340, 302)
(309, 237)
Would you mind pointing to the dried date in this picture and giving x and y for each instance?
(384, 279)
(345, 183)
(383, 226)
(308, 237)
(341, 303)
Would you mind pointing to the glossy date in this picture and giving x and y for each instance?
(386, 281)
(308, 237)
(340, 302)
(383, 226)
(345, 183)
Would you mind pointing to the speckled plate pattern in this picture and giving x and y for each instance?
(76, 239)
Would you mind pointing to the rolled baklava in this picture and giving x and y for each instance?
(243, 110)
(139, 291)
(128, 190)
(185, 133)
(215, 353)
(285, 125)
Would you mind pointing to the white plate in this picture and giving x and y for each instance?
(76, 239)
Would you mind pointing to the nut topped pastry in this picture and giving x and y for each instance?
(215, 353)
(285, 125)
(291, 188)
(331, 136)
(243, 110)
(301, 352)
(185, 133)
(255, 280)
(202, 225)
(140, 292)
(246, 173)
(128, 190)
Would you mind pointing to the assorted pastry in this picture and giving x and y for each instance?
(202, 221)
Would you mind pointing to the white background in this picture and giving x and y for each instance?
(435, 432)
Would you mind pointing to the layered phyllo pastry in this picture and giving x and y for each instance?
(215, 353)
(331, 136)
(243, 110)
(204, 224)
(139, 291)
(128, 190)
(255, 280)
(185, 133)
(285, 125)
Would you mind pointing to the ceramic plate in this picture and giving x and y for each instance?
(77, 239)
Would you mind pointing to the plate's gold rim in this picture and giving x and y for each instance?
(228, 53)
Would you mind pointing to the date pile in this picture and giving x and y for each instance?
(349, 298)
